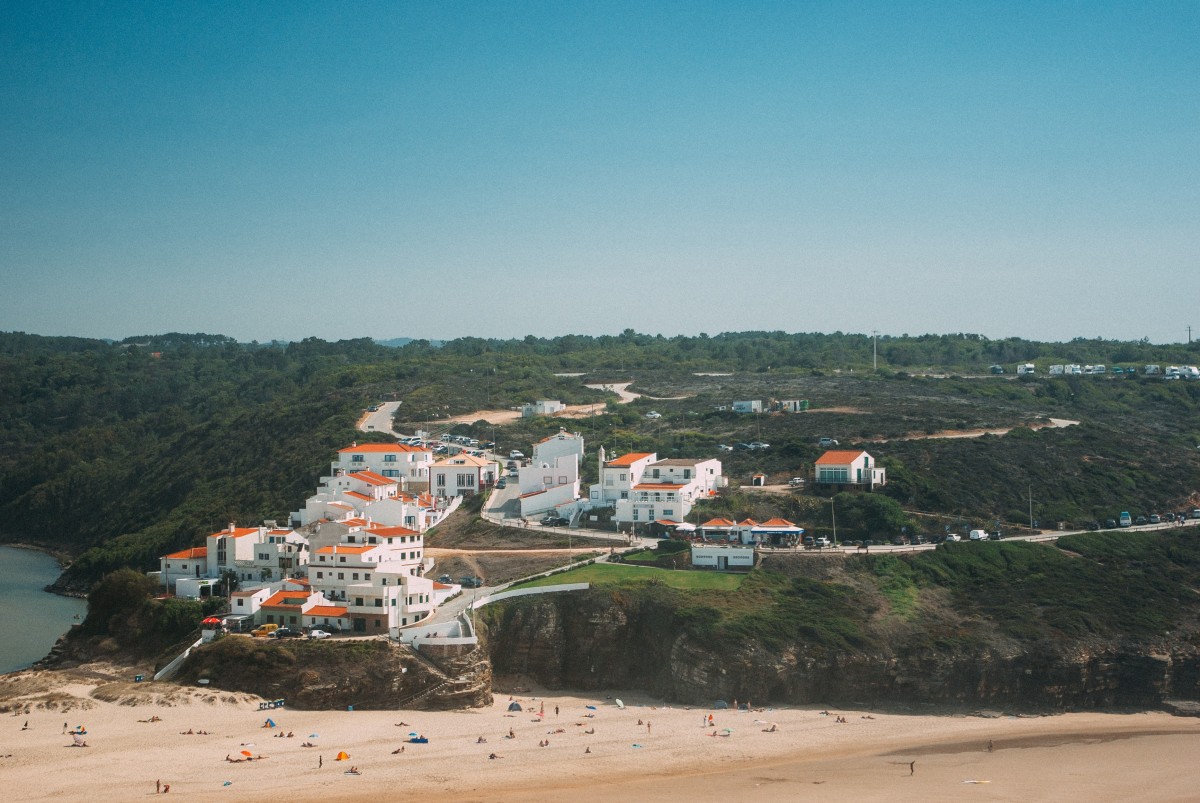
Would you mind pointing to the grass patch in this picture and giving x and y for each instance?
(605, 574)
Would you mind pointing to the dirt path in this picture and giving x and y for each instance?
(626, 395)
(1054, 423)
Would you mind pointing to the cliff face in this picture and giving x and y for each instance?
(599, 640)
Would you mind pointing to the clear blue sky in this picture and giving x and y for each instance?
(442, 169)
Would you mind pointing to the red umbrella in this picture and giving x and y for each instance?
(212, 620)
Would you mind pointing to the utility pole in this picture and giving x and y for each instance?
(1030, 491)
(1189, 335)
(875, 349)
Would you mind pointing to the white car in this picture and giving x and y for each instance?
(653, 414)
(515, 455)
(319, 634)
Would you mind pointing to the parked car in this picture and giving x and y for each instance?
(654, 414)
(1126, 519)
(263, 630)
(757, 445)
(825, 443)
(470, 581)
(554, 521)
(286, 632)
(1141, 520)
(743, 447)
(1110, 524)
(1155, 518)
(822, 542)
(445, 579)
(809, 542)
(954, 537)
(978, 535)
(724, 448)
(516, 455)
(319, 634)
(1093, 525)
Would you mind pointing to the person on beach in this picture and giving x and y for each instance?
(158, 784)
(166, 788)
(912, 767)
(990, 745)
(493, 755)
(647, 726)
(320, 761)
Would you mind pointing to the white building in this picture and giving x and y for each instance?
(462, 475)
(752, 406)
(251, 553)
(722, 556)
(849, 467)
(641, 489)
(563, 444)
(408, 465)
(542, 407)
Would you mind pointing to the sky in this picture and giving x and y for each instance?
(275, 171)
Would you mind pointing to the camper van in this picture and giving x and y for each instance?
(1151, 370)
(1057, 370)
(1126, 520)
(1026, 369)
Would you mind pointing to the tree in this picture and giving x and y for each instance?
(118, 593)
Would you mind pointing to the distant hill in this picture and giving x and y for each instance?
(400, 342)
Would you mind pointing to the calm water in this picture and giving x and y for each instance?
(32, 620)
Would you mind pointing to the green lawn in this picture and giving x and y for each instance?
(620, 575)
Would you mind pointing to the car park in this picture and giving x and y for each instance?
(319, 634)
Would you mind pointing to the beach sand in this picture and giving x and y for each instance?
(1142, 756)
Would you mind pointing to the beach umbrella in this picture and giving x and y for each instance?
(247, 753)
(211, 620)
(620, 704)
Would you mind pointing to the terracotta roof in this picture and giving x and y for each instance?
(776, 522)
(389, 532)
(287, 599)
(681, 461)
(666, 522)
(236, 532)
(748, 523)
(358, 495)
(531, 493)
(344, 549)
(719, 523)
(839, 457)
(355, 522)
(325, 610)
(382, 447)
(462, 460)
(189, 554)
(628, 459)
(657, 486)
(371, 478)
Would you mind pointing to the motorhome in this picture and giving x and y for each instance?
(1057, 370)
(1151, 370)
(1026, 369)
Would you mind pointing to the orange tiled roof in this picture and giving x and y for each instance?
(189, 554)
(358, 495)
(343, 549)
(382, 447)
(287, 599)
(776, 522)
(325, 610)
(719, 523)
(657, 486)
(628, 459)
(839, 457)
(748, 523)
(236, 532)
(389, 532)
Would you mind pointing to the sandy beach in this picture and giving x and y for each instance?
(564, 745)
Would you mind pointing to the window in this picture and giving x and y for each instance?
(354, 576)
(441, 481)
(378, 603)
(341, 575)
(623, 478)
(389, 458)
(391, 472)
(668, 511)
(562, 480)
(635, 514)
(624, 494)
(341, 558)
(547, 481)
(367, 576)
(356, 458)
(320, 575)
(654, 473)
(466, 480)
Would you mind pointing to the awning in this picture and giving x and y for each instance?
(686, 527)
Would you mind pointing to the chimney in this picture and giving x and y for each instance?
(231, 526)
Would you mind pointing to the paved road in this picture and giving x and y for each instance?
(380, 420)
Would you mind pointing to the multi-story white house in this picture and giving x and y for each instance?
(251, 553)
(641, 488)
(549, 485)
(854, 468)
(562, 444)
(462, 475)
(407, 465)
(618, 476)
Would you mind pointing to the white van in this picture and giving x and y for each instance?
(978, 535)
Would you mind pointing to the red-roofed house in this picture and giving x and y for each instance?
(407, 464)
(849, 468)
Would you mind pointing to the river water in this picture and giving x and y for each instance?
(30, 619)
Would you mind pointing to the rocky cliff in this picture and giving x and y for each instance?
(602, 639)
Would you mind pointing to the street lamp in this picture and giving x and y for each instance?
(833, 515)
